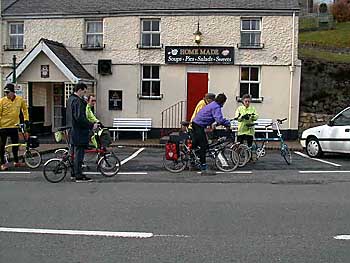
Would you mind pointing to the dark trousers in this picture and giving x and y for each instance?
(247, 138)
(199, 139)
(13, 134)
(79, 152)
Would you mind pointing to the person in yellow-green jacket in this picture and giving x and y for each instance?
(246, 116)
(90, 115)
(10, 108)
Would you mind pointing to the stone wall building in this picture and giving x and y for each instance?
(141, 58)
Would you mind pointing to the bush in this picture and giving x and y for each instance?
(341, 10)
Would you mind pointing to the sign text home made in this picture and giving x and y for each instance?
(199, 55)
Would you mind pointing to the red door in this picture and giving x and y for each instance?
(197, 87)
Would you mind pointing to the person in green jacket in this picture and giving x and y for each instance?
(90, 115)
(246, 116)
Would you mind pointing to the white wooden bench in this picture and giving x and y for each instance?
(261, 126)
(142, 125)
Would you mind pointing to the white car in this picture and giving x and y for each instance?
(332, 137)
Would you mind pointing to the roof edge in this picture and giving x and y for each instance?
(158, 12)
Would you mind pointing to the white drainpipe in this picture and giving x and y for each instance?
(291, 69)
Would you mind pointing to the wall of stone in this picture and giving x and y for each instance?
(325, 91)
(309, 120)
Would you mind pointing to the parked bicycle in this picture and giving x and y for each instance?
(55, 170)
(31, 157)
(259, 151)
(183, 155)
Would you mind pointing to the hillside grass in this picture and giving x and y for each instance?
(337, 38)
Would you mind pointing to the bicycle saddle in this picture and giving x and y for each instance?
(185, 123)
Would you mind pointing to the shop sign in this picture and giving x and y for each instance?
(199, 55)
(115, 99)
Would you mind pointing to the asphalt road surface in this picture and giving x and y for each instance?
(265, 212)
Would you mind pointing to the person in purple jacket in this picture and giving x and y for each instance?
(206, 117)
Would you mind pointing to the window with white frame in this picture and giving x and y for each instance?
(250, 82)
(251, 32)
(150, 87)
(150, 33)
(16, 35)
(94, 34)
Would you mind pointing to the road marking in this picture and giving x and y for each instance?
(318, 160)
(77, 232)
(15, 172)
(184, 236)
(322, 172)
(86, 233)
(235, 172)
(342, 237)
(132, 156)
(122, 173)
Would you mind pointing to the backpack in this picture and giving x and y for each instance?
(101, 138)
(171, 151)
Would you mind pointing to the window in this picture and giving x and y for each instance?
(251, 33)
(343, 119)
(150, 82)
(16, 35)
(94, 34)
(150, 33)
(250, 82)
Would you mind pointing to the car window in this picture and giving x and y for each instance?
(343, 119)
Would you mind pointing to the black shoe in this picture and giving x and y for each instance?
(83, 180)
(72, 178)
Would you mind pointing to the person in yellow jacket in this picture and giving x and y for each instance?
(90, 115)
(208, 98)
(246, 116)
(10, 108)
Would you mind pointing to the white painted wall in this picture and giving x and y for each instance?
(121, 36)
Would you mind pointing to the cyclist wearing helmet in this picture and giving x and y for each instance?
(10, 108)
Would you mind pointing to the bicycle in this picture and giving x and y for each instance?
(225, 158)
(32, 158)
(55, 169)
(260, 151)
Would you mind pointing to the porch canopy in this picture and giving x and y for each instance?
(60, 56)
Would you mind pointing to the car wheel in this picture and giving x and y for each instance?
(313, 148)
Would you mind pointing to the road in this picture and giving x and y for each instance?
(267, 212)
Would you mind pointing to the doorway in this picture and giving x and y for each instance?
(197, 87)
(58, 106)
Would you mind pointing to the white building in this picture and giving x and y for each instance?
(140, 57)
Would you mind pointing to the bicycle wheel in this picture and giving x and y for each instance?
(32, 158)
(244, 154)
(175, 166)
(55, 170)
(227, 160)
(109, 165)
(286, 154)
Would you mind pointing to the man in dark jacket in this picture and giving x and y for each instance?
(79, 128)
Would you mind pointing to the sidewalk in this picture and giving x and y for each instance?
(154, 143)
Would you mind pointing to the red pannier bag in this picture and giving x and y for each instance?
(171, 151)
